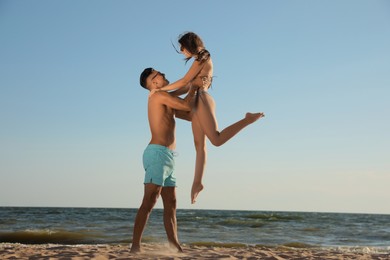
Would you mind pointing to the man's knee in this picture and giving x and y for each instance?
(169, 198)
(147, 205)
(149, 201)
(170, 202)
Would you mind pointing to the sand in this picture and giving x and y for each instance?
(161, 251)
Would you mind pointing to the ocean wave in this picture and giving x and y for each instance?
(298, 245)
(217, 244)
(274, 217)
(111, 226)
(240, 223)
(50, 236)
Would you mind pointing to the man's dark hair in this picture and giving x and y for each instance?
(144, 75)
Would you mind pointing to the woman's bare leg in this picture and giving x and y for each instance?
(201, 155)
(204, 123)
(205, 114)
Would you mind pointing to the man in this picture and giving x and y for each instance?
(158, 158)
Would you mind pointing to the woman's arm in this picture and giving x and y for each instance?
(181, 91)
(196, 67)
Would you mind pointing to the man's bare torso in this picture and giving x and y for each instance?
(162, 123)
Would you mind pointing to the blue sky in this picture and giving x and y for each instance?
(73, 116)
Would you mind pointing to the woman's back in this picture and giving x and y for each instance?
(204, 78)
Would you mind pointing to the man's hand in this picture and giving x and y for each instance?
(191, 94)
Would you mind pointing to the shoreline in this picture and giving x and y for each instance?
(162, 251)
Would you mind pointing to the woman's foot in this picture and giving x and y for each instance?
(196, 188)
(253, 117)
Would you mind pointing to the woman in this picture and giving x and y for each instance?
(204, 122)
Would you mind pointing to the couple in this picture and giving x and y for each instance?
(158, 158)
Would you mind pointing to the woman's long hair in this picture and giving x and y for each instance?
(192, 42)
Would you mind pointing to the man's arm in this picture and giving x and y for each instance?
(185, 115)
(173, 102)
(191, 93)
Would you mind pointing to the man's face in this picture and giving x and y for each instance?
(156, 80)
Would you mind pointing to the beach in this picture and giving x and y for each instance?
(162, 251)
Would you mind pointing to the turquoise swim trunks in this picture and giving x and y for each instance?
(159, 165)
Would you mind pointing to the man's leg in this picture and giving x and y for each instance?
(168, 195)
(151, 193)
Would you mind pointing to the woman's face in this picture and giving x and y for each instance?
(185, 52)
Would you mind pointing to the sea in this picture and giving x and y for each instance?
(224, 228)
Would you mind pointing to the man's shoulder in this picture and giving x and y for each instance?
(159, 96)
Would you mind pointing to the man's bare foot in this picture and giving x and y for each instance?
(253, 117)
(176, 246)
(196, 188)
(135, 249)
(179, 249)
